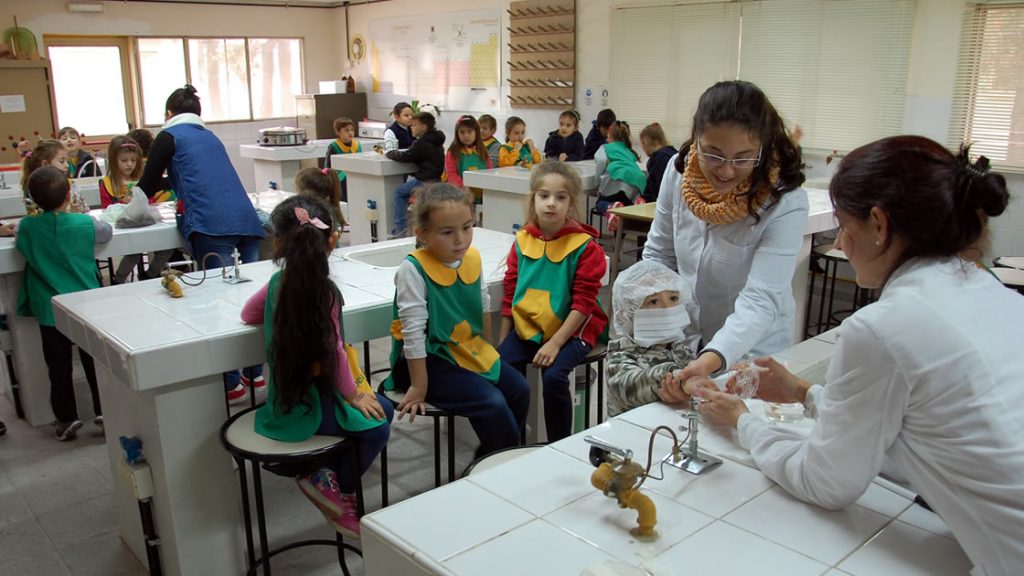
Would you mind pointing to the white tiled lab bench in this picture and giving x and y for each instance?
(539, 514)
(34, 386)
(371, 176)
(159, 362)
(505, 190)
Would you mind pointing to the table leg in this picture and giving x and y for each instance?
(27, 355)
(617, 251)
(195, 502)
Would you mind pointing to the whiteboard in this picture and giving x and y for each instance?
(449, 59)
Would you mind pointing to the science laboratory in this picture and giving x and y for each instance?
(506, 287)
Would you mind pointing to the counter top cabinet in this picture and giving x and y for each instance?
(371, 176)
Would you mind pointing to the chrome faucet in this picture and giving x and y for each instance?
(694, 460)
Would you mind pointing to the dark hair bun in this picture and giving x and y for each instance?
(976, 188)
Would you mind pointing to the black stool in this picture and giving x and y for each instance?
(830, 257)
(493, 459)
(437, 415)
(598, 355)
(239, 437)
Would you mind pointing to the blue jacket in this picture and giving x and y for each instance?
(211, 195)
(594, 141)
(404, 135)
(656, 165)
(571, 146)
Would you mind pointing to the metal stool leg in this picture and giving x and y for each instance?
(437, 451)
(810, 296)
(451, 448)
(586, 398)
(384, 477)
(600, 391)
(341, 554)
(832, 295)
(261, 518)
(246, 512)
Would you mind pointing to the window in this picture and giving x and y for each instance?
(988, 110)
(275, 70)
(162, 63)
(88, 83)
(218, 71)
(836, 67)
(236, 78)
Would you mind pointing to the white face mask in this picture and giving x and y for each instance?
(659, 325)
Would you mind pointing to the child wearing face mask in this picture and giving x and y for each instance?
(650, 320)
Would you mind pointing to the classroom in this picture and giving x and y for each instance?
(595, 287)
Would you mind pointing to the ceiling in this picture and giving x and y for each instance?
(294, 3)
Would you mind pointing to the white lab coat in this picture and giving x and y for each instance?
(738, 276)
(926, 386)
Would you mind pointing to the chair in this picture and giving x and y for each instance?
(437, 415)
(830, 257)
(493, 459)
(240, 439)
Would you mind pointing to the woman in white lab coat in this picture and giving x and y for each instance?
(730, 220)
(925, 384)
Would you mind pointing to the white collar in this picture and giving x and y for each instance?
(184, 118)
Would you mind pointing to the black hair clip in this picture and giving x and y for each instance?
(978, 168)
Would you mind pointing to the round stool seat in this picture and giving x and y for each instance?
(1011, 277)
(829, 251)
(240, 436)
(396, 398)
(1010, 262)
(598, 353)
(500, 457)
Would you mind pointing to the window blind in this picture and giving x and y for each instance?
(663, 58)
(987, 106)
(836, 67)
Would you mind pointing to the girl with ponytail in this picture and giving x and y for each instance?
(315, 384)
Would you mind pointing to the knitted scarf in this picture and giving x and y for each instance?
(720, 208)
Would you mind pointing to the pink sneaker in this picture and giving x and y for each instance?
(348, 523)
(321, 487)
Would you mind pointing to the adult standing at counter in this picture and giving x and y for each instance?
(924, 384)
(730, 220)
(214, 214)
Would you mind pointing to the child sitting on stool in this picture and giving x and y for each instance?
(650, 321)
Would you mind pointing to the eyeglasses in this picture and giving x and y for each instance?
(716, 161)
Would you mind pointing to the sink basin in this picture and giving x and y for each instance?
(382, 256)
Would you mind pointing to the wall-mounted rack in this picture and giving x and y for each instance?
(542, 53)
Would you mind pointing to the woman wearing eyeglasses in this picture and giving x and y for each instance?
(730, 219)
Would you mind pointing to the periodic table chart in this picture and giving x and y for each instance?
(448, 59)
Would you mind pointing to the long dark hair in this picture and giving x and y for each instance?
(745, 105)
(184, 100)
(304, 333)
(456, 146)
(938, 203)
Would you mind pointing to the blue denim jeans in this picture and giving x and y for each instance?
(497, 412)
(557, 390)
(249, 247)
(401, 208)
(371, 442)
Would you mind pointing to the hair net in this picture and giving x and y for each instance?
(636, 283)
